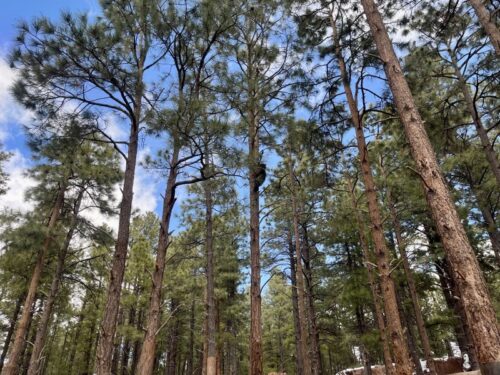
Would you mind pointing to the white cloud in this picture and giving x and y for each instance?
(17, 184)
(11, 112)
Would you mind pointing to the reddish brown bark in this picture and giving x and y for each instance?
(367, 259)
(488, 22)
(210, 306)
(147, 356)
(44, 322)
(401, 244)
(104, 350)
(316, 363)
(11, 367)
(394, 327)
(12, 326)
(465, 268)
(295, 305)
(255, 293)
(301, 299)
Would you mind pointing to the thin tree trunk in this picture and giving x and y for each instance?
(295, 304)
(377, 303)
(172, 350)
(304, 334)
(450, 293)
(104, 350)
(76, 337)
(417, 310)
(465, 268)
(12, 326)
(491, 155)
(487, 20)
(209, 249)
(44, 323)
(255, 292)
(316, 365)
(11, 367)
(399, 344)
(192, 322)
(410, 337)
(146, 359)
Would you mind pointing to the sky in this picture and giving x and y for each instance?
(13, 116)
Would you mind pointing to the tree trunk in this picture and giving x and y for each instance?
(399, 344)
(15, 355)
(407, 327)
(316, 365)
(465, 268)
(488, 22)
(255, 293)
(146, 359)
(210, 305)
(104, 350)
(12, 326)
(304, 334)
(367, 259)
(490, 153)
(295, 304)
(192, 322)
(172, 347)
(76, 337)
(43, 324)
(462, 332)
(422, 331)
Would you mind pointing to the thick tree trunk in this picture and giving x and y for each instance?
(490, 153)
(255, 293)
(146, 359)
(295, 305)
(395, 331)
(465, 268)
(301, 298)
(488, 22)
(12, 326)
(104, 350)
(43, 324)
(12, 366)
(377, 303)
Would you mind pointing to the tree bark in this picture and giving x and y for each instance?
(304, 334)
(487, 21)
(209, 249)
(422, 331)
(146, 359)
(395, 330)
(316, 365)
(255, 293)
(295, 305)
(44, 323)
(104, 350)
(377, 303)
(465, 268)
(12, 366)
(12, 326)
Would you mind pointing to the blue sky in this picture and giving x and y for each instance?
(13, 116)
